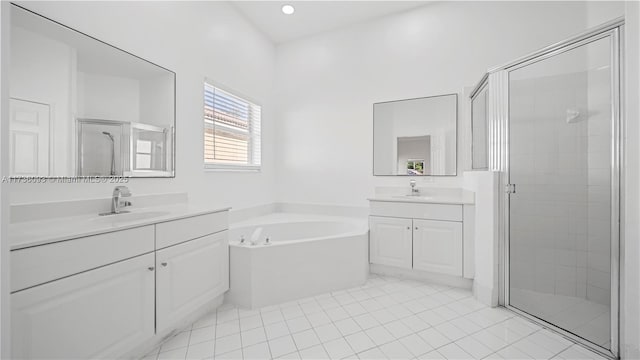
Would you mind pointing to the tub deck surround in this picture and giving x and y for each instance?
(358, 223)
(237, 216)
(307, 255)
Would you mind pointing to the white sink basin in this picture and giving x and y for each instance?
(129, 216)
(413, 197)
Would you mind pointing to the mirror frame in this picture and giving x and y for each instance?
(373, 136)
(170, 174)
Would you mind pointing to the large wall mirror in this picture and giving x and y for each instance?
(81, 107)
(415, 137)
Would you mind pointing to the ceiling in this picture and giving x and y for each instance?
(313, 17)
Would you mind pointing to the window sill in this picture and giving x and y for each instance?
(231, 168)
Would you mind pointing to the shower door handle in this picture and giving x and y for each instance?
(510, 188)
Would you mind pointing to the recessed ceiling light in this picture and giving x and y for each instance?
(288, 9)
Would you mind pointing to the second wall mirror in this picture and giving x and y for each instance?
(416, 137)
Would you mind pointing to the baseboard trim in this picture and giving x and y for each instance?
(413, 274)
(484, 294)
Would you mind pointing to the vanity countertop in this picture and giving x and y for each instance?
(462, 198)
(39, 232)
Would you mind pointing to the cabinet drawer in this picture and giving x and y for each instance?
(40, 264)
(177, 231)
(448, 212)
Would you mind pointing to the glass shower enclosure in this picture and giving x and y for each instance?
(550, 124)
(118, 148)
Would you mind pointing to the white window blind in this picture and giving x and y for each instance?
(231, 131)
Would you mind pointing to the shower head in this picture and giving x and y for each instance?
(108, 134)
(113, 153)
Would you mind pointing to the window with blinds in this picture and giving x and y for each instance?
(231, 131)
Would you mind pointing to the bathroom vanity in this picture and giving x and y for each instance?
(94, 286)
(428, 235)
(424, 233)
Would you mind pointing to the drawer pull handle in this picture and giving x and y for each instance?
(163, 264)
(416, 228)
(151, 268)
(408, 227)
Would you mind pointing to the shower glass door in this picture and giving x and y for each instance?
(562, 162)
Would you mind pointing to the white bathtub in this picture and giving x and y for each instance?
(307, 255)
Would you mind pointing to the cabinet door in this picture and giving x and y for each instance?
(390, 241)
(189, 276)
(437, 246)
(101, 313)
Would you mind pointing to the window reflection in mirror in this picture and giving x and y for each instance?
(415, 167)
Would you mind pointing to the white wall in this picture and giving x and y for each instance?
(195, 40)
(108, 97)
(5, 319)
(156, 101)
(486, 250)
(630, 259)
(328, 83)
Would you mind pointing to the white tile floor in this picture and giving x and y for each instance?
(387, 318)
(578, 315)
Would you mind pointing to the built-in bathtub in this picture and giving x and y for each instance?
(306, 255)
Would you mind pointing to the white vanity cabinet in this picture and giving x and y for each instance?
(422, 236)
(189, 276)
(390, 241)
(192, 259)
(101, 313)
(437, 246)
(107, 294)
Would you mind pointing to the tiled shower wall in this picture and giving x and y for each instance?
(599, 187)
(549, 166)
(559, 161)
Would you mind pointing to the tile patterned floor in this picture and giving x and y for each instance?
(577, 315)
(387, 318)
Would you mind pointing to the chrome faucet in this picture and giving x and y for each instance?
(414, 190)
(116, 201)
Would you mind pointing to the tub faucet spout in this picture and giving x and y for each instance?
(255, 236)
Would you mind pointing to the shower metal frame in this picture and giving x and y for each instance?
(497, 81)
